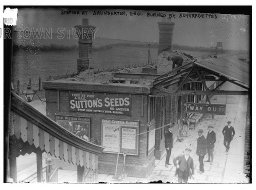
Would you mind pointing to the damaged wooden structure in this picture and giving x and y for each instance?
(193, 84)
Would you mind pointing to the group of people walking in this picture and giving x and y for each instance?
(184, 163)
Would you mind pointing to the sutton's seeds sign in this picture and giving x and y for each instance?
(100, 103)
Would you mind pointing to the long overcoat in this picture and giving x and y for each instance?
(184, 165)
(168, 139)
(211, 139)
(201, 146)
(228, 133)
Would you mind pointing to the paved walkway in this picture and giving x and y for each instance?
(226, 168)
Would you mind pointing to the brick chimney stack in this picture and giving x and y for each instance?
(165, 36)
(85, 33)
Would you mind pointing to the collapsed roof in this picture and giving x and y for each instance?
(234, 67)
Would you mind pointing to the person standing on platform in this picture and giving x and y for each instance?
(229, 133)
(201, 149)
(210, 139)
(168, 145)
(184, 166)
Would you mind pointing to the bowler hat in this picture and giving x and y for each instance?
(210, 126)
(229, 122)
(200, 131)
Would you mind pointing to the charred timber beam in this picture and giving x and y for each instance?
(185, 79)
(169, 78)
(173, 71)
(201, 77)
(169, 81)
(207, 71)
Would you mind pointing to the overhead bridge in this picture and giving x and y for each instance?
(30, 131)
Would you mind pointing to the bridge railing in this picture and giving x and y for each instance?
(39, 132)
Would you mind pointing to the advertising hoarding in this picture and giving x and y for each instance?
(117, 104)
(80, 126)
(120, 136)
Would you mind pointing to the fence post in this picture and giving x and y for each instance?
(48, 169)
(39, 166)
(80, 173)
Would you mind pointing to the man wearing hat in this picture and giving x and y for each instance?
(168, 144)
(201, 149)
(184, 166)
(228, 132)
(210, 139)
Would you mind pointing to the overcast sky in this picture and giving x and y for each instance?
(232, 30)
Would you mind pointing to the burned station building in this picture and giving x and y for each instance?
(127, 112)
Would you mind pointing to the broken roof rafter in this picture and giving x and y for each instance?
(208, 72)
(173, 82)
(202, 73)
(185, 79)
(176, 73)
(168, 74)
(174, 77)
(201, 77)
(192, 79)
(157, 82)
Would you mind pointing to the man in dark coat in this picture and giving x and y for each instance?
(184, 166)
(201, 149)
(210, 139)
(168, 145)
(228, 132)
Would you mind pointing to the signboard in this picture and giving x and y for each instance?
(129, 140)
(151, 136)
(80, 126)
(217, 109)
(117, 104)
(110, 136)
(120, 136)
